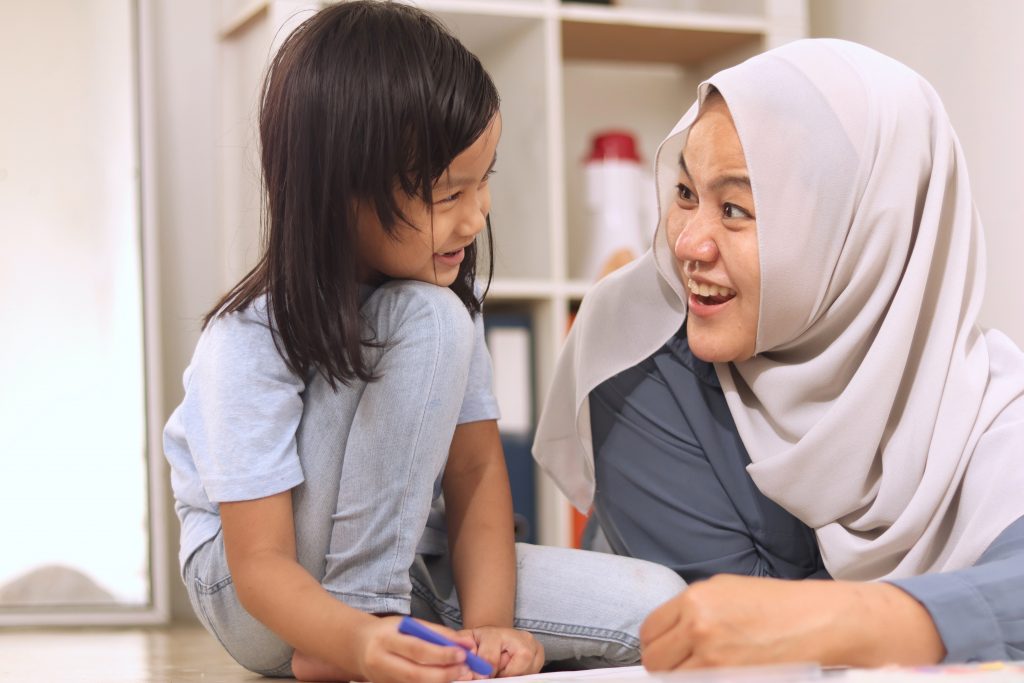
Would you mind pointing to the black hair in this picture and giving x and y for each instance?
(362, 98)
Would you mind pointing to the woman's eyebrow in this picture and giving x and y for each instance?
(682, 164)
(740, 181)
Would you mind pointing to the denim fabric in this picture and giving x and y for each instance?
(584, 607)
(233, 437)
(371, 455)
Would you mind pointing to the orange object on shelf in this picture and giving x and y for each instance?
(579, 523)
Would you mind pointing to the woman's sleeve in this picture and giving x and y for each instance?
(979, 611)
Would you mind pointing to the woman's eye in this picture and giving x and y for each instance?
(685, 193)
(733, 211)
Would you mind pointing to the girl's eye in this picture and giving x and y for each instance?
(733, 211)
(685, 193)
(449, 199)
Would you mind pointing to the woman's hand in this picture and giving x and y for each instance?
(511, 652)
(735, 620)
(387, 656)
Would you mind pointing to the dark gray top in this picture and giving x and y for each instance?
(662, 498)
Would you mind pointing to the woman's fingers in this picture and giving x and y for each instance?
(666, 653)
(665, 642)
(661, 620)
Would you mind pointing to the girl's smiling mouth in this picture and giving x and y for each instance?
(451, 258)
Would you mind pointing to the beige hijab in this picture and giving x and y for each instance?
(875, 409)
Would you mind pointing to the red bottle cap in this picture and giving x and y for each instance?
(613, 144)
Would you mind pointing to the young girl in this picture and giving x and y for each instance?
(343, 384)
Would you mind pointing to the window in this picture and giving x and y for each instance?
(75, 444)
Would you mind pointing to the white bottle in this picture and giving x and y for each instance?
(616, 201)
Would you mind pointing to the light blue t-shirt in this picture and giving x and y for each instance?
(233, 436)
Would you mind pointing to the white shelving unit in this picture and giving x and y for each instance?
(564, 70)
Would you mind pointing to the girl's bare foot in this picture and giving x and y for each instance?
(306, 668)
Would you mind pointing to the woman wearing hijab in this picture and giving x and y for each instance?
(792, 385)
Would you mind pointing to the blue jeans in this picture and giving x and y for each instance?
(366, 515)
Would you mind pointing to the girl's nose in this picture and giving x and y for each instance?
(476, 219)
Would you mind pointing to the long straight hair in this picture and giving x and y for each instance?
(363, 99)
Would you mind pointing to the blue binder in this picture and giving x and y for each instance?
(510, 342)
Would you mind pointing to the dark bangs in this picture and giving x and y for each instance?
(445, 101)
(362, 100)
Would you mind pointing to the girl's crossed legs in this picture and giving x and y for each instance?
(386, 442)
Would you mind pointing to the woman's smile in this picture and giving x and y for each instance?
(707, 298)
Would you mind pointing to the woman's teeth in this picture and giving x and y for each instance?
(709, 290)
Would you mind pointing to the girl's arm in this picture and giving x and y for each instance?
(478, 503)
(259, 540)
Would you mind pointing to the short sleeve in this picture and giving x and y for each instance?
(241, 411)
(479, 402)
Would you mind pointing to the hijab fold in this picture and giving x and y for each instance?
(874, 409)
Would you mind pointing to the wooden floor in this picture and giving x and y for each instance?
(166, 655)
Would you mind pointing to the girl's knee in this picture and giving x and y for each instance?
(429, 309)
(260, 651)
(659, 583)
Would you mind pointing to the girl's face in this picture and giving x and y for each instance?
(432, 249)
(712, 230)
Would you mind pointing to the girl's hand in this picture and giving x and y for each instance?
(511, 652)
(737, 620)
(387, 656)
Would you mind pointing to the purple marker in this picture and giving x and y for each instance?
(411, 627)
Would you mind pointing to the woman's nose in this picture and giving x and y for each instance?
(696, 243)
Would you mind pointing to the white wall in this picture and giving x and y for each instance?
(972, 55)
(184, 91)
(71, 356)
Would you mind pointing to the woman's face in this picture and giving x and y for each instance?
(712, 230)
(433, 247)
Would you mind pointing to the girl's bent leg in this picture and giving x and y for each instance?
(215, 601)
(584, 607)
(386, 442)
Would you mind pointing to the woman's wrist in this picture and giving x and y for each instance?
(888, 626)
